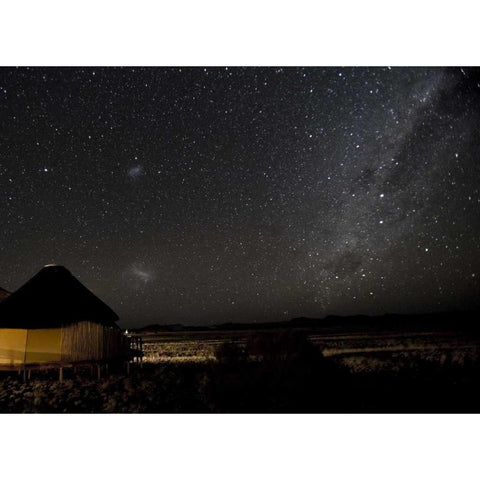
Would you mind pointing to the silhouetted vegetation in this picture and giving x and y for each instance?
(277, 372)
(231, 353)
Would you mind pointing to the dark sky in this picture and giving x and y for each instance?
(206, 195)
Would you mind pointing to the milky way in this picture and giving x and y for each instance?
(204, 195)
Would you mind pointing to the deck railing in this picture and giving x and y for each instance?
(136, 348)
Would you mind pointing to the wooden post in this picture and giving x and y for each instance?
(24, 374)
(29, 374)
(60, 374)
(128, 368)
(99, 371)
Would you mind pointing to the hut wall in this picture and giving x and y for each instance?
(12, 346)
(113, 343)
(43, 345)
(90, 341)
(84, 341)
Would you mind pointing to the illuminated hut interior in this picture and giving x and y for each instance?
(54, 319)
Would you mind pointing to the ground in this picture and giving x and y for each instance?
(283, 370)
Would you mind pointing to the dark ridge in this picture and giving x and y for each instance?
(451, 321)
(469, 320)
(174, 327)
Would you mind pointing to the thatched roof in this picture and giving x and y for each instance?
(3, 294)
(51, 298)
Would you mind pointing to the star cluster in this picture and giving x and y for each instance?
(204, 195)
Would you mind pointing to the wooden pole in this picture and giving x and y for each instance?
(60, 374)
(99, 371)
(25, 355)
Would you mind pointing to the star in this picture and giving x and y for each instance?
(299, 190)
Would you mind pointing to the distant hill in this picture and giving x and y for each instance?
(161, 328)
(440, 320)
(454, 321)
(173, 327)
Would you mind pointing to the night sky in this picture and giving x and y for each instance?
(208, 195)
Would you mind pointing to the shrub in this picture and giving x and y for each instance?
(230, 353)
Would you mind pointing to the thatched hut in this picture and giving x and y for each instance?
(54, 319)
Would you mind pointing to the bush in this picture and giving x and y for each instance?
(284, 346)
(230, 353)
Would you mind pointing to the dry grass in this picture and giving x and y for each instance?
(358, 351)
